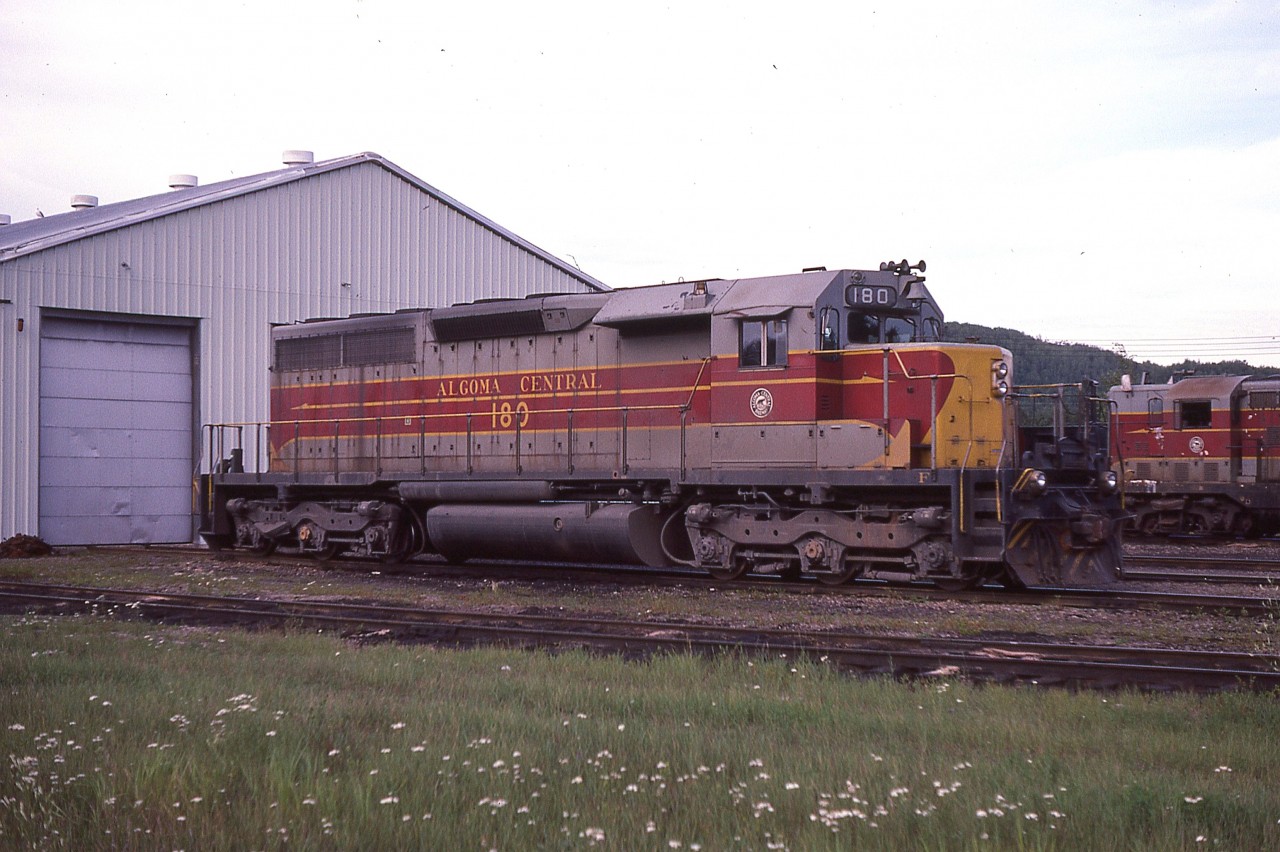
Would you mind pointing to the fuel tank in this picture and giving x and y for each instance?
(573, 532)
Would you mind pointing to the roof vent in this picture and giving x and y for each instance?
(183, 181)
(5, 218)
(83, 202)
(298, 158)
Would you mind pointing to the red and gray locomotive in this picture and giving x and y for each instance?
(1200, 455)
(807, 424)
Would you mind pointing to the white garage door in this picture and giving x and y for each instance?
(116, 424)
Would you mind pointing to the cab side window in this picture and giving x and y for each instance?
(829, 329)
(1194, 414)
(762, 343)
(1155, 413)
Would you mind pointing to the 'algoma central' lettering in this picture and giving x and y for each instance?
(486, 386)
(557, 382)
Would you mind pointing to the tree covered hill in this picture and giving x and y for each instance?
(1042, 362)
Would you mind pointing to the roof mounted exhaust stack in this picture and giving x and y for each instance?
(298, 158)
(83, 202)
(183, 181)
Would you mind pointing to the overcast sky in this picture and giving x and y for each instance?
(1102, 172)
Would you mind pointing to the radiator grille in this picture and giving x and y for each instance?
(388, 346)
(1264, 399)
(353, 349)
(481, 326)
(309, 353)
(1181, 472)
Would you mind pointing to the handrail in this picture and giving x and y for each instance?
(933, 413)
(697, 380)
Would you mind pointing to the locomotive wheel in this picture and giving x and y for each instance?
(408, 543)
(957, 584)
(840, 576)
(263, 547)
(325, 553)
(738, 565)
(1149, 525)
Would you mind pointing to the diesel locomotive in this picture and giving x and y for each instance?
(805, 424)
(1200, 455)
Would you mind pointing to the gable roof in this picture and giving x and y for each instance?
(33, 235)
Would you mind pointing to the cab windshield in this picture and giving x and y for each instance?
(867, 328)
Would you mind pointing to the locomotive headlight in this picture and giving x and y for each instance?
(1108, 482)
(1031, 484)
(999, 372)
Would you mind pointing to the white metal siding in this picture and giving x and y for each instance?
(116, 421)
(354, 239)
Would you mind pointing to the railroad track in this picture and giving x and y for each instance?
(994, 661)
(1203, 569)
(1112, 598)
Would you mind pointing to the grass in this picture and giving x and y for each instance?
(127, 735)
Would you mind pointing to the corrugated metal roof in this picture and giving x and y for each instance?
(32, 235)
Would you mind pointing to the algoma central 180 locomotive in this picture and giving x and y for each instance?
(808, 424)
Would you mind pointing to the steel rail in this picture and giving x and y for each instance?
(1110, 598)
(1183, 560)
(1004, 661)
